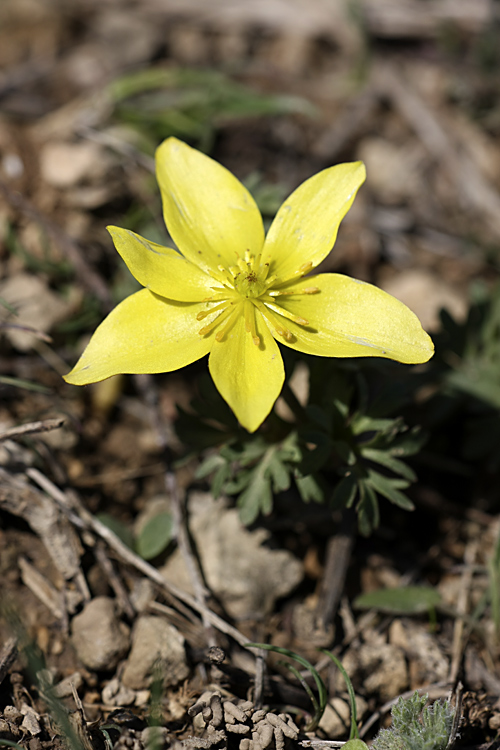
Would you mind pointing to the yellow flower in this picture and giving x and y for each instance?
(235, 294)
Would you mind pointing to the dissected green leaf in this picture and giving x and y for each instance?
(210, 464)
(385, 459)
(310, 489)
(279, 474)
(345, 492)
(368, 510)
(389, 488)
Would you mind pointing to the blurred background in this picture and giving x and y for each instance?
(276, 90)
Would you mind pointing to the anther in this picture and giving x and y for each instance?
(280, 330)
(220, 317)
(203, 314)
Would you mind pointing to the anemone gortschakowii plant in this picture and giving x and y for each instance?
(235, 294)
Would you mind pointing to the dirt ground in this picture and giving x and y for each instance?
(101, 642)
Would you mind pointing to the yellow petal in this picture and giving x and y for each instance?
(349, 318)
(247, 376)
(161, 269)
(305, 227)
(211, 217)
(144, 333)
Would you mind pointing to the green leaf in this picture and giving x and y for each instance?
(219, 479)
(368, 512)
(409, 442)
(121, 530)
(322, 691)
(210, 464)
(362, 423)
(240, 481)
(354, 734)
(406, 600)
(384, 458)
(310, 489)
(155, 536)
(279, 474)
(257, 497)
(389, 488)
(345, 492)
(344, 452)
(28, 385)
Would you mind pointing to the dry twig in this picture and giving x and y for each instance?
(32, 427)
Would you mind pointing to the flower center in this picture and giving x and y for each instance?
(248, 284)
(246, 289)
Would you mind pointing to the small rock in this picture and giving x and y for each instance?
(155, 641)
(36, 307)
(11, 713)
(65, 687)
(98, 636)
(115, 694)
(66, 164)
(337, 716)
(395, 172)
(30, 722)
(245, 574)
(382, 666)
(426, 294)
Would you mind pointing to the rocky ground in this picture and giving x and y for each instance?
(102, 642)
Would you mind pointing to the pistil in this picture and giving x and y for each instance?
(247, 282)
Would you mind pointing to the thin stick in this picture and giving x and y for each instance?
(337, 561)
(458, 643)
(73, 506)
(147, 387)
(32, 427)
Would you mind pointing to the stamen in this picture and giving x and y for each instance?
(230, 323)
(280, 330)
(270, 281)
(228, 277)
(250, 325)
(204, 313)
(223, 294)
(243, 267)
(286, 314)
(289, 292)
(222, 316)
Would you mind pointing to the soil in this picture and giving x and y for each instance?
(98, 646)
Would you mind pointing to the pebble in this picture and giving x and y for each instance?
(98, 636)
(155, 641)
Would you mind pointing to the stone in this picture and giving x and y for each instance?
(336, 719)
(98, 636)
(155, 642)
(66, 164)
(245, 574)
(36, 306)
